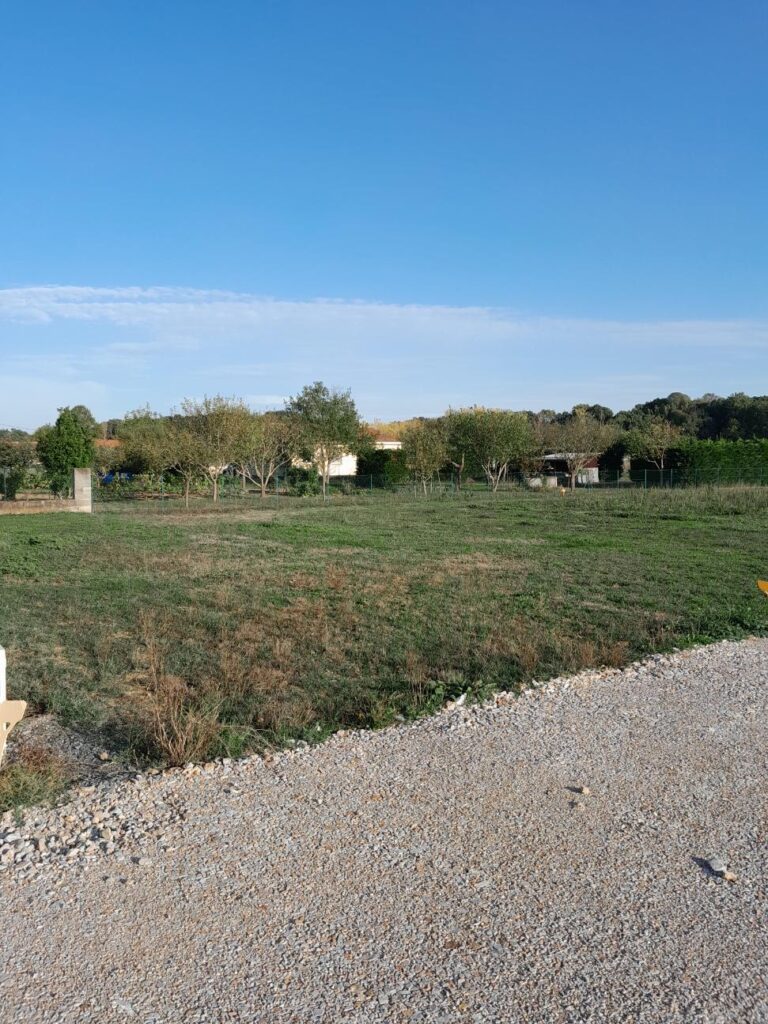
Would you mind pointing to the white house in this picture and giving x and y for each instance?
(347, 464)
(387, 444)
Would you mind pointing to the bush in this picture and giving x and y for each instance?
(303, 482)
(386, 467)
(13, 481)
(16, 457)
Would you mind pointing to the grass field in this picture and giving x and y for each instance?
(186, 635)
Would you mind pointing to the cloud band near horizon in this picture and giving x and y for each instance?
(119, 348)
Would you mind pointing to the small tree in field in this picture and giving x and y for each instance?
(653, 440)
(499, 439)
(271, 442)
(143, 442)
(579, 440)
(65, 446)
(425, 447)
(216, 430)
(328, 423)
(459, 438)
(182, 451)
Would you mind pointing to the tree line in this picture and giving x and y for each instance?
(203, 439)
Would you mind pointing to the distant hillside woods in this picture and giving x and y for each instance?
(709, 418)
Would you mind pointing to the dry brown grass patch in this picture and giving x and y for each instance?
(33, 775)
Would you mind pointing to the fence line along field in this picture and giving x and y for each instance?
(185, 635)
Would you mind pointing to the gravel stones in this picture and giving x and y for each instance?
(430, 872)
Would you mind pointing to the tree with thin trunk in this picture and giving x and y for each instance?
(271, 443)
(425, 447)
(653, 440)
(154, 444)
(458, 428)
(580, 439)
(219, 428)
(182, 451)
(143, 442)
(498, 439)
(329, 426)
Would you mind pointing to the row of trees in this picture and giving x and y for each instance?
(494, 442)
(205, 438)
(208, 437)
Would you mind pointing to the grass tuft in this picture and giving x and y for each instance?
(34, 776)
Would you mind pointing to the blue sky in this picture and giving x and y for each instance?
(431, 203)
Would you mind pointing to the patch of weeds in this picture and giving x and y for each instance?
(33, 776)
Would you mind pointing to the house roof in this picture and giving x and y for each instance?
(560, 456)
(107, 442)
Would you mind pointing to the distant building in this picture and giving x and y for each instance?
(386, 443)
(556, 464)
(346, 465)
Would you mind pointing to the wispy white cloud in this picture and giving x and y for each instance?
(176, 310)
(121, 347)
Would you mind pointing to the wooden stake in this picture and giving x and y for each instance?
(11, 711)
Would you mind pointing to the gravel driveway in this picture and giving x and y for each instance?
(440, 872)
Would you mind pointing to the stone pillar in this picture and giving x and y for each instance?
(82, 490)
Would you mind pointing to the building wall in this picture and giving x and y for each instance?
(345, 466)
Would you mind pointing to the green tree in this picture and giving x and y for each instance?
(144, 442)
(270, 444)
(86, 419)
(459, 439)
(216, 430)
(181, 445)
(580, 439)
(425, 448)
(498, 439)
(155, 444)
(653, 440)
(65, 446)
(329, 425)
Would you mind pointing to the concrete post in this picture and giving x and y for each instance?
(82, 490)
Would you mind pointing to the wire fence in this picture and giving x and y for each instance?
(166, 492)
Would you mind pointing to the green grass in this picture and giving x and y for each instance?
(179, 634)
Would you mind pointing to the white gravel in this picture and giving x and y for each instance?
(553, 858)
